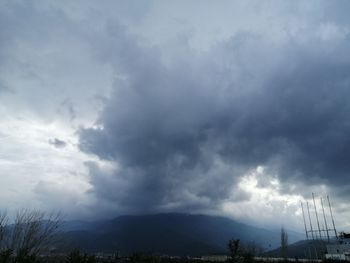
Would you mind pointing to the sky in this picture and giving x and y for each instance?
(231, 108)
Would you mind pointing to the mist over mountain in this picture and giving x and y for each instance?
(172, 234)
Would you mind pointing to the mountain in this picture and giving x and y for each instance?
(172, 234)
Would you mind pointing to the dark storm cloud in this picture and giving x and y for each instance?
(183, 133)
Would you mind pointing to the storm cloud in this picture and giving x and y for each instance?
(229, 108)
(183, 131)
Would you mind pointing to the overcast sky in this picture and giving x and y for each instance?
(234, 108)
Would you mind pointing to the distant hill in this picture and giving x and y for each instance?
(172, 234)
(302, 249)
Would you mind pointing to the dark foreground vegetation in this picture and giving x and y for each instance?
(78, 257)
(152, 259)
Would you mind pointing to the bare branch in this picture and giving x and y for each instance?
(32, 232)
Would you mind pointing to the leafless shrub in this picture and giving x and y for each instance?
(32, 231)
(3, 223)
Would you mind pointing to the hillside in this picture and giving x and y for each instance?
(302, 249)
(172, 234)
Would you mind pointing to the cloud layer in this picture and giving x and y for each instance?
(174, 106)
(184, 131)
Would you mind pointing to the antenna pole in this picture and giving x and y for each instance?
(330, 209)
(318, 222)
(308, 211)
(325, 220)
(302, 209)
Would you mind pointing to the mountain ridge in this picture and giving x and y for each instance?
(167, 233)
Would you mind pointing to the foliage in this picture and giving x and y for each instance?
(234, 249)
(233, 245)
(76, 256)
(144, 258)
(249, 251)
(5, 256)
(284, 242)
(244, 253)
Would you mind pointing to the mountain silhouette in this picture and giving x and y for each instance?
(171, 234)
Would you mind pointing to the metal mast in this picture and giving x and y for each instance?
(308, 211)
(325, 220)
(318, 223)
(330, 209)
(302, 209)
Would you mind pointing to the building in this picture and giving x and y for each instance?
(340, 248)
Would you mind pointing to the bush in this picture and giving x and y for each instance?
(31, 234)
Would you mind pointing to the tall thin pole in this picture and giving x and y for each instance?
(330, 209)
(315, 252)
(324, 218)
(318, 222)
(309, 253)
(302, 209)
(308, 211)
